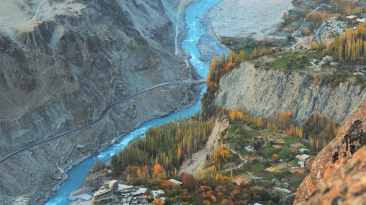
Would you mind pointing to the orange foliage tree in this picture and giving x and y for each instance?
(275, 157)
(158, 202)
(158, 170)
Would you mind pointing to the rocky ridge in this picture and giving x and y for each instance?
(264, 92)
(337, 175)
(63, 72)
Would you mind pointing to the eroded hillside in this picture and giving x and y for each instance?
(61, 68)
(264, 92)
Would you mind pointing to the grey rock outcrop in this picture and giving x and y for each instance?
(66, 71)
(264, 92)
(207, 51)
(98, 166)
(93, 181)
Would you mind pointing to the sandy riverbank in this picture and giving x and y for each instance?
(242, 18)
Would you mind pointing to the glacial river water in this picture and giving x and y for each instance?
(193, 15)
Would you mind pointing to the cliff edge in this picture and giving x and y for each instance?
(264, 92)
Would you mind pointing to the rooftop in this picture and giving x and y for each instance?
(122, 187)
(139, 191)
(176, 182)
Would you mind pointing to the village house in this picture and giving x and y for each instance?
(250, 149)
(120, 194)
(358, 73)
(105, 195)
(302, 157)
(282, 190)
(303, 150)
(334, 64)
(175, 182)
(301, 164)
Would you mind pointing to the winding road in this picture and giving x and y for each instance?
(177, 27)
(100, 117)
(319, 33)
(242, 158)
(299, 40)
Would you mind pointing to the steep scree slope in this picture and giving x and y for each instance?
(265, 92)
(63, 71)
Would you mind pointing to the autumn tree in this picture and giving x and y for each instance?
(158, 202)
(275, 157)
(158, 170)
(188, 180)
(226, 202)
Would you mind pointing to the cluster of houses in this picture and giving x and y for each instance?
(335, 27)
(360, 71)
(112, 192)
(354, 17)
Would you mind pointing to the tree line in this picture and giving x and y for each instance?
(161, 151)
(320, 130)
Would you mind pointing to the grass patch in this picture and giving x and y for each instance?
(289, 140)
(244, 152)
(267, 149)
(286, 57)
(294, 162)
(286, 154)
(237, 129)
(254, 166)
(283, 175)
(296, 184)
(276, 143)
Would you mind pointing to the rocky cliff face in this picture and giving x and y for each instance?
(337, 175)
(59, 72)
(265, 92)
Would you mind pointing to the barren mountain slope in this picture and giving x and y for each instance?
(63, 66)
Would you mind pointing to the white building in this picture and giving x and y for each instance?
(334, 64)
(139, 191)
(303, 150)
(250, 149)
(302, 157)
(125, 188)
(358, 73)
(301, 164)
(158, 193)
(282, 190)
(175, 182)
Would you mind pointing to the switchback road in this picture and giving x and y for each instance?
(100, 117)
